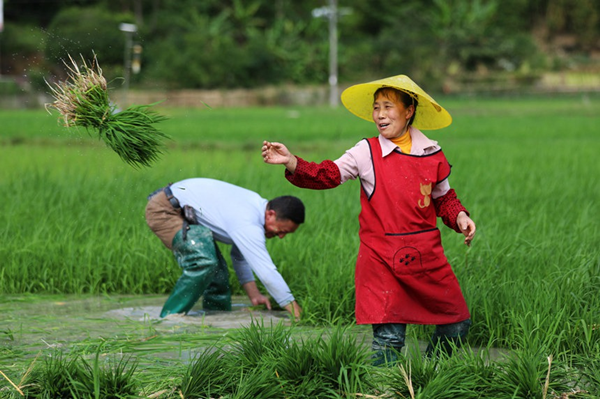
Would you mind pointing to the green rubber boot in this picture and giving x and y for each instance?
(197, 256)
(217, 295)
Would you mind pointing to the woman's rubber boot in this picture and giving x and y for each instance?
(447, 337)
(197, 256)
(388, 341)
(217, 295)
(386, 357)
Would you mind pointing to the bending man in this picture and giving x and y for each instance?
(190, 215)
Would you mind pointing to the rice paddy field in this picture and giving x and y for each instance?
(73, 232)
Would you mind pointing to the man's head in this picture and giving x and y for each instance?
(283, 216)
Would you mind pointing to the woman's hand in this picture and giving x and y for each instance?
(467, 227)
(278, 154)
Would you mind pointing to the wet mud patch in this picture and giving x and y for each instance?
(130, 325)
(34, 324)
(241, 315)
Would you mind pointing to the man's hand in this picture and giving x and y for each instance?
(260, 299)
(277, 153)
(255, 296)
(466, 226)
(294, 309)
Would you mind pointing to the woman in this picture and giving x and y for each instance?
(402, 275)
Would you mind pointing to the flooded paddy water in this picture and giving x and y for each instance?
(31, 324)
(33, 327)
(131, 324)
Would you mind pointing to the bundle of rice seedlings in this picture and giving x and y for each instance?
(83, 101)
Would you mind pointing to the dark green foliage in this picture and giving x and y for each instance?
(590, 370)
(235, 46)
(268, 362)
(60, 375)
(53, 377)
(256, 343)
(523, 374)
(224, 44)
(206, 376)
(342, 361)
(86, 30)
(116, 380)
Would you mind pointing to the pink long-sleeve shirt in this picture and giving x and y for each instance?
(356, 162)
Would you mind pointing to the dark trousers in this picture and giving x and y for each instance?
(390, 337)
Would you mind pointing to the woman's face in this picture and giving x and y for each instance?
(390, 116)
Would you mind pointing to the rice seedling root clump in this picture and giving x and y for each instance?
(83, 101)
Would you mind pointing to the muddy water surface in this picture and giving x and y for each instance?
(31, 325)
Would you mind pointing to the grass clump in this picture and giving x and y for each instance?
(61, 375)
(527, 373)
(84, 102)
(267, 362)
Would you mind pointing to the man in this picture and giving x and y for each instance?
(190, 215)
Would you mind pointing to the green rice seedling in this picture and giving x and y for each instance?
(325, 303)
(73, 224)
(257, 382)
(256, 344)
(528, 373)
(448, 383)
(297, 371)
(298, 360)
(412, 374)
(84, 102)
(343, 362)
(589, 367)
(207, 375)
(62, 376)
(115, 380)
(330, 366)
(8, 333)
(55, 377)
(467, 374)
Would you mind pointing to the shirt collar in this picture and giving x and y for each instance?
(421, 145)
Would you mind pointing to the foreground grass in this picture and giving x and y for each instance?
(273, 361)
(525, 168)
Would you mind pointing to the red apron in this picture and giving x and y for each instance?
(402, 274)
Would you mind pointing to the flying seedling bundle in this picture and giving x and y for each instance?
(83, 101)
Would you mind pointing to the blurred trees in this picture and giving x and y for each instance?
(239, 44)
(76, 30)
(248, 43)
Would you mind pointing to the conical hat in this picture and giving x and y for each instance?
(358, 99)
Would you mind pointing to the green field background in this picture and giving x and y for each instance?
(72, 213)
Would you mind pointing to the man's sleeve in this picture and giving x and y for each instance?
(242, 268)
(251, 243)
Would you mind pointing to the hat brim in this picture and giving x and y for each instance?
(358, 99)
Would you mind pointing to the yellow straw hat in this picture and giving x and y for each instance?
(358, 99)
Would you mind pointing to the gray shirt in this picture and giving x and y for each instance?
(236, 216)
